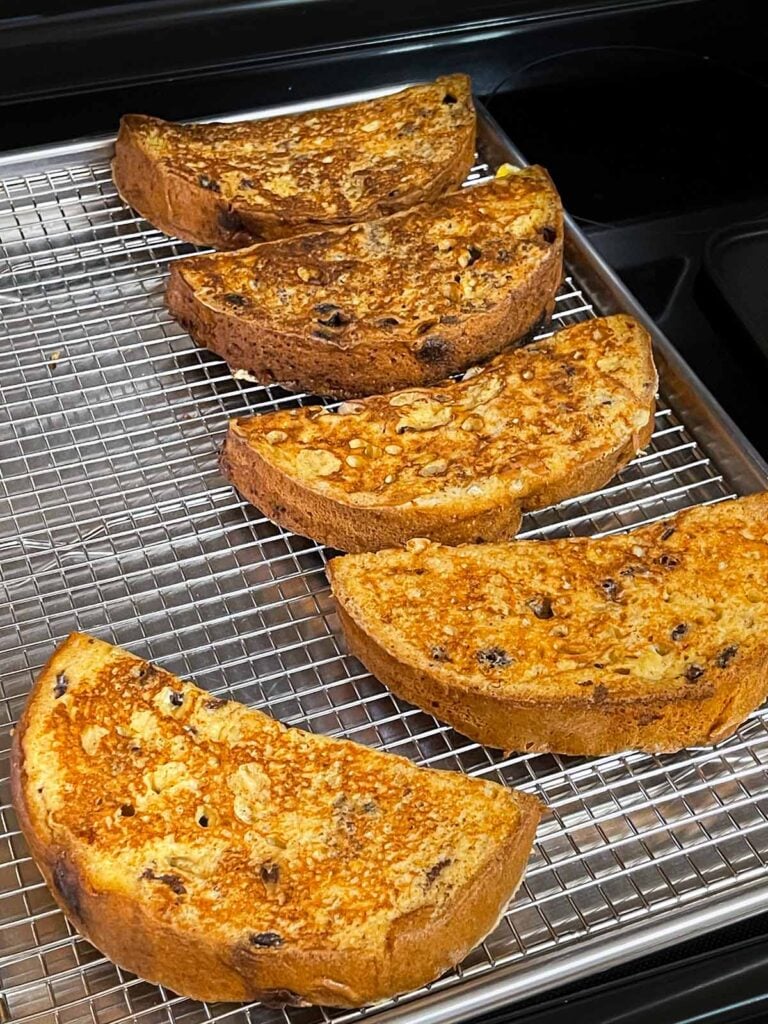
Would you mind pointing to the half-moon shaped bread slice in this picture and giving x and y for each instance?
(656, 639)
(229, 185)
(208, 848)
(460, 462)
(402, 301)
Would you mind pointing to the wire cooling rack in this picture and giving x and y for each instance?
(114, 520)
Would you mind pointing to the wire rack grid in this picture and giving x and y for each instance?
(114, 520)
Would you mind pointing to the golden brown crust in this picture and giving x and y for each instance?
(331, 522)
(585, 729)
(297, 173)
(588, 659)
(403, 301)
(455, 463)
(159, 929)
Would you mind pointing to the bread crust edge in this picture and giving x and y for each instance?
(343, 527)
(354, 528)
(584, 726)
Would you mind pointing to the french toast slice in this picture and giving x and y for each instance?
(656, 639)
(402, 301)
(459, 462)
(209, 848)
(229, 185)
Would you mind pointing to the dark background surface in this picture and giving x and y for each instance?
(716, 979)
(649, 116)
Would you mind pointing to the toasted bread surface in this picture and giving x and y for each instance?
(208, 848)
(228, 185)
(462, 461)
(405, 300)
(656, 639)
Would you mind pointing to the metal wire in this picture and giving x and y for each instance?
(113, 520)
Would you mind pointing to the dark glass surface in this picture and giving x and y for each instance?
(668, 131)
(737, 261)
